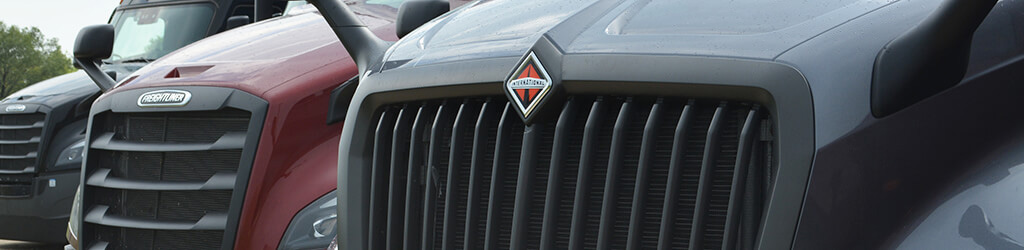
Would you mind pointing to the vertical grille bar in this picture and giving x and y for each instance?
(558, 155)
(704, 186)
(738, 180)
(615, 159)
(379, 174)
(497, 175)
(486, 120)
(642, 176)
(414, 188)
(458, 166)
(399, 166)
(527, 166)
(590, 131)
(675, 175)
(433, 173)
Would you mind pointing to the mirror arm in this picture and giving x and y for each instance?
(92, 68)
(362, 45)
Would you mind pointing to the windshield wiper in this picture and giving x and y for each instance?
(136, 60)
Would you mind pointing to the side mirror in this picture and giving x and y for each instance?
(95, 43)
(236, 21)
(414, 13)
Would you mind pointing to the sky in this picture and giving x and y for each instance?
(61, 19)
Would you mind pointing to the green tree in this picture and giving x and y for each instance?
(27, 57)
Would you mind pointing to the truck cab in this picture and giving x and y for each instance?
(688, 124)
(224, 144)
(42, 127)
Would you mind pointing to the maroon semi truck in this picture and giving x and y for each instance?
(223, 144)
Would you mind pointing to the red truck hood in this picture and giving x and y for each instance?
(259, 57)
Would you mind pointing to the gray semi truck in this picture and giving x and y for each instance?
(657, 124)
(42, 127)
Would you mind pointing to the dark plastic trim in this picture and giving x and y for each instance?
(219, 181)
(340, 99)
(210, 221)
(227, 141)
(928, 58)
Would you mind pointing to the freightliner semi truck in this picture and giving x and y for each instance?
(42, 127)
(224, 144)
(687, 124)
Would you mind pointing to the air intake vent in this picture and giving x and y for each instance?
(606, 173)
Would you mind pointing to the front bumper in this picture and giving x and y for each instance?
(43, 217)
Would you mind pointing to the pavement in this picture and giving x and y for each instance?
(22, 245)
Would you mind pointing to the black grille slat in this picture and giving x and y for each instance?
(705, 182)
(616, 157)
(459, 161)
(642, 173)
(674, 182)
(378, 184)
(483, 142)
(643, 176)
(20, 137)
(558, 161)
(584, 183)
(147, 202)
(499, 216)
(743, 153)
(437, 156)
(398, 178)
(414, 186)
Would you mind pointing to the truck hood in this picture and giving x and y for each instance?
(258, 57)
(55, 91)
(739, 29)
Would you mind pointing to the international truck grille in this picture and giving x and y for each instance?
(20, 137)
(163, 180)
(601, 173)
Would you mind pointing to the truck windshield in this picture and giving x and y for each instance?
(145, 34)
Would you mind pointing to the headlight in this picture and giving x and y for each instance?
(314, 226)
(75, 222)
(70, 157)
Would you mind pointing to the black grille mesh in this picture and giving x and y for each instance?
(141, 163)
(20, 135)
(631, 172)
(130, 238)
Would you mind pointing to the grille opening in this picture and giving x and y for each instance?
(189, 166)
(130, 238)
(665, 217)
(163, 205)
(22, 119)
(176, 127)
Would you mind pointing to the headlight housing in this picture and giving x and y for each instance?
(314, 227)
(75, 222)
(70, 157)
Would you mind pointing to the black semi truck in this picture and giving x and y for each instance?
(42, 127)
(656, 124)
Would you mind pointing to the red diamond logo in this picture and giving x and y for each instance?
(529, 84)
